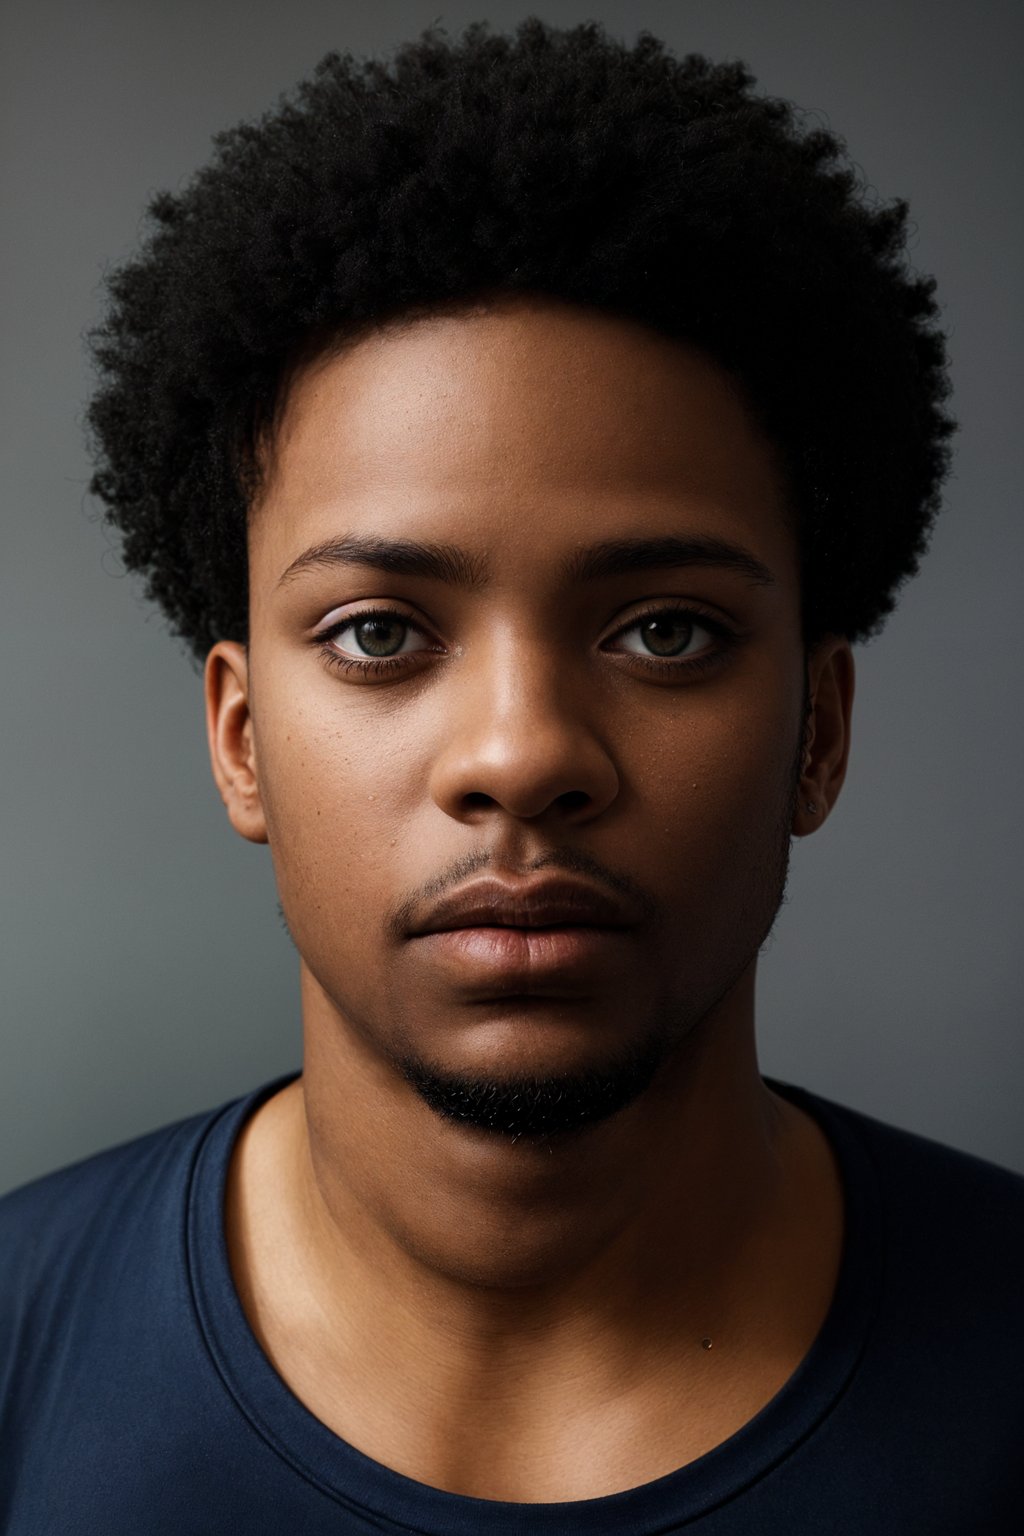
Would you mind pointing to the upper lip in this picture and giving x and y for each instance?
(539, 903)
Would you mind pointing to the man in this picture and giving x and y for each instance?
(521, 438)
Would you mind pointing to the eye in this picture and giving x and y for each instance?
(673, 638)
(666, 634)
(379, 641)
(376, 635)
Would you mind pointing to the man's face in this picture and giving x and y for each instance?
(641, 726)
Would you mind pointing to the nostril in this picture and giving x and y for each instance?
(476, 798)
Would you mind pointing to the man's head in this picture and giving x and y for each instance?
(542, 307)
(602, 673)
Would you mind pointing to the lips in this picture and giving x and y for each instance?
(546, 903)
(537, 936)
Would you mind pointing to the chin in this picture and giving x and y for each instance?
(534, 1104)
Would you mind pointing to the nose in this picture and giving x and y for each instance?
(520, 736)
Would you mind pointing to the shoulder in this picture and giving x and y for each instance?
(953, 1222)
(937, 1175)
(56, 1229)
(909, 1163)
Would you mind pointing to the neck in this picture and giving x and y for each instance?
(463, 1267)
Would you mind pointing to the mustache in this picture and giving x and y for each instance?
(573, 861)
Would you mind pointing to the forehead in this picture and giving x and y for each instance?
(518, 430)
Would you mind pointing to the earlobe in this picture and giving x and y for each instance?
(230, 736)
(827, 738)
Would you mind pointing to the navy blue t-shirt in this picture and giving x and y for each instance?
(135, 1399)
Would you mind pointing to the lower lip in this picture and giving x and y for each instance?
(525, 952)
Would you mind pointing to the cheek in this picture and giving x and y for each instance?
(312, 792)
(715, 785)
(332, 790)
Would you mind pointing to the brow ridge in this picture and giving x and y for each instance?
(459, 567)
(401, 557)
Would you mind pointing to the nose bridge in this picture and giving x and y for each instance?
(519, 729)
(521, 670)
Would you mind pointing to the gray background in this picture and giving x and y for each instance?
(145, 974)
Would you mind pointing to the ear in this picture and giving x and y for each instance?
(830, 681)
(229, 732)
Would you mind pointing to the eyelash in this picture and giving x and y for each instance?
(374, 666)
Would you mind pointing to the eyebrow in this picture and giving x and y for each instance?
(401, 557)
(458, 567)
(617, 557)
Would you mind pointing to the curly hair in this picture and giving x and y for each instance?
(557, 161)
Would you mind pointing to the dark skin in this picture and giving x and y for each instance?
(522, 1318)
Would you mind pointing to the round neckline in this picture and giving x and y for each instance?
(355, 1480)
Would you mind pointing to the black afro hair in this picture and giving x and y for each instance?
(555, 161)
